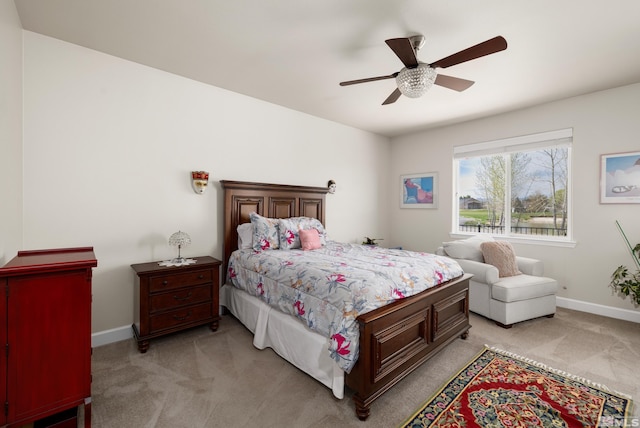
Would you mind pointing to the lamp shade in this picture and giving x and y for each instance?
(415, 82)
(179, 239)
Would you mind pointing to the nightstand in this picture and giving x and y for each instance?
(174, 298)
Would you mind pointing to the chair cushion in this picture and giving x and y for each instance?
(501, 255)
(467, 249)
(523, 287)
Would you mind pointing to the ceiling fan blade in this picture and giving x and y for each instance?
(404, 49)
(454, 83)
(369, 79)
(393, 97)
(489, 47)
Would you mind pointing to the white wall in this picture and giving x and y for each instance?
(109, 144)
(10, 131)
(602, 122)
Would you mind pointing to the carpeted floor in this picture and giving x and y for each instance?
(203, 379)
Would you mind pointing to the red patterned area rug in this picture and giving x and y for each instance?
(500, 389)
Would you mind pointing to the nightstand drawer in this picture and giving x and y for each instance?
(180, 297)
(168, 282)
(179, 317)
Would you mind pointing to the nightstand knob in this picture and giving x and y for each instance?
(179, 318)
(187, 297)
(200, 276)
(165, 282)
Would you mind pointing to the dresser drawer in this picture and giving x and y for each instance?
(168, 282)
(180, 297)
(179, 317)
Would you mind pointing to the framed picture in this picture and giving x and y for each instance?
(419, 190)
(620, 178)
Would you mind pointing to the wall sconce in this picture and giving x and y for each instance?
(332, 186)
(199, 181)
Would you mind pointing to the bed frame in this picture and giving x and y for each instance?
(395, 339)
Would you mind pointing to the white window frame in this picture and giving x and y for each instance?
(557, 138)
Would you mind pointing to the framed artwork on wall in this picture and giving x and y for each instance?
(620, 178)
(419, 190)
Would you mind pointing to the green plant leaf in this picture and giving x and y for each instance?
(620, 273)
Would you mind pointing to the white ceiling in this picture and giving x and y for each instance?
(295, 52)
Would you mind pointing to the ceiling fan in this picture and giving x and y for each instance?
(415, 79)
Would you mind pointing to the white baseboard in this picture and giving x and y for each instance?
(596, 309)
(124, 333)
(110, 336)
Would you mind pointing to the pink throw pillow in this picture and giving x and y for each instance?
(309, 239)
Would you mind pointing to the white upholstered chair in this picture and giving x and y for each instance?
(503, 299)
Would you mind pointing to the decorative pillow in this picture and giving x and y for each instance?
(310, 239)
(468, 249)
(288, 229)
(245, 236)
(501, 255)
(265, 232)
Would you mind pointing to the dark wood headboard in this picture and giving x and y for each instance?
(269, 200)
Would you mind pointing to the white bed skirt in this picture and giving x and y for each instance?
(290, 339)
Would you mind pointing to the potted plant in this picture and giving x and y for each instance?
(622, 280)
(371, 241)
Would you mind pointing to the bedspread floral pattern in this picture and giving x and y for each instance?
(328, 288)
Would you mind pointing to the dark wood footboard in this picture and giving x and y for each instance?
(398, 338)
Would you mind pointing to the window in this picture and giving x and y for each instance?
(518, 187)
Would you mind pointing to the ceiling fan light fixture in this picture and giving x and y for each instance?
(415, 82)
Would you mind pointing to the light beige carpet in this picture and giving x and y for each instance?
(203, 379)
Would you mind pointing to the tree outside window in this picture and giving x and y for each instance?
(536, 181)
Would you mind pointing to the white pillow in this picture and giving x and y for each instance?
(468, 249)
(245, 236)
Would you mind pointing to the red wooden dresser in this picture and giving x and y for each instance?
(45, 322)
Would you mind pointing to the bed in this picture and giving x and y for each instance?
(393, 340)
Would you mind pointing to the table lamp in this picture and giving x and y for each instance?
(179, 239)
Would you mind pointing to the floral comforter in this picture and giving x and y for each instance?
(328, 288)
